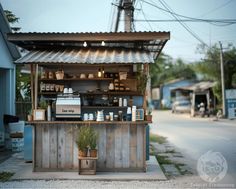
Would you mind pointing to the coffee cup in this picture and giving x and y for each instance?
(65, 90)
(70, 90)
(86, 117)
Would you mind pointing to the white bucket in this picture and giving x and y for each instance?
(17, 127)
(17, 144)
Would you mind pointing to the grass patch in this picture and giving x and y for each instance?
(183, 172)
(163, 160)
(5, 176)
(170, 151)
(157, 138)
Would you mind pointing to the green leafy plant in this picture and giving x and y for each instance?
(142, 79)
(43, 104)
(92, 138)
(82, 139)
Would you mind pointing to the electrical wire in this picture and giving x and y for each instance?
(183, 24)
(187, 17)
(221, 6)
(141, 7)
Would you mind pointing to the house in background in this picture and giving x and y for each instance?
(165, 90)
(197, 93)
(8, 53)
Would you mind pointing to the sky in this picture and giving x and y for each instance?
(96, 16)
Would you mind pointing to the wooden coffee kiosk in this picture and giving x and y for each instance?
(92, 79)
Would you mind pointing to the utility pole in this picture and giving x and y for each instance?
(128, 8)
(222, 79)
(128, 14)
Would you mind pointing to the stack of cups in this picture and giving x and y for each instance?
(133, 113)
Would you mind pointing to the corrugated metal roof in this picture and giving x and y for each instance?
(201, 86)
(90, 56)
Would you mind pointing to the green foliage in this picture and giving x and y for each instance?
(209, 67)
(22, 85)
(93, 139)
(12, 19)
(157, 138)
(142, 79)
(164, 70)
(43, 104)
(86, 137)
(5, 176)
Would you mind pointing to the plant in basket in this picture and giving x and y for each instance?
(149, 115)
(82, 140)
(93, 142)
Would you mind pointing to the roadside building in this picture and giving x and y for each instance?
(165, 90)
(8, 53)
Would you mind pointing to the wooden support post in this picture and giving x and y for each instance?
(36, 87)
(32, 86)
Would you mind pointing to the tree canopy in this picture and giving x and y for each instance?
(12, 19)
(165, 69)
(209, 67)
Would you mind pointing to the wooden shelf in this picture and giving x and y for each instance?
(104, 107)
(89, 122)
(77, 79)
(118, 93)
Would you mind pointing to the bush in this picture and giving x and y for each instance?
(86, 137)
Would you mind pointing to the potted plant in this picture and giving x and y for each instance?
(149, 115)
(82, 140)
(30, 115)
(93, 142)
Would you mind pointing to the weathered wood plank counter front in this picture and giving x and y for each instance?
(121, 145)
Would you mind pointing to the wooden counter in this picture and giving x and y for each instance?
(121, 145)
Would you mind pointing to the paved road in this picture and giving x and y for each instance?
(196, 136)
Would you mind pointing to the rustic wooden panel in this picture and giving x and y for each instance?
(133, 146)
(45, 146)
(61, 146)
(75, 148)
(53, 146)
(102, 138)
(118, 146)
(68, 147)
(38, 146)
(125, 146)
(110, 146)
(140, 147)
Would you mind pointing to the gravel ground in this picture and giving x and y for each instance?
(183, 182)
(92, 184)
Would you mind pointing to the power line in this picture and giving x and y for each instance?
(183, 24)
(176, 14)
(225, 21)
(221, 6)
(141, 7)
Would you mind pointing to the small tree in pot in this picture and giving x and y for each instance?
(93, 142)
(82, 140)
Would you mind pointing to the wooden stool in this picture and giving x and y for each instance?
(90, 168)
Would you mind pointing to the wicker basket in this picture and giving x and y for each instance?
(59, 74)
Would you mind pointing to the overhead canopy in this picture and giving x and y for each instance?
(121, 47)
(197, 87)
(92, 56)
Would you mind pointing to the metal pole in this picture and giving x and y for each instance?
(222, 79)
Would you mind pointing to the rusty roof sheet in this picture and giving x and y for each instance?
(89, 56)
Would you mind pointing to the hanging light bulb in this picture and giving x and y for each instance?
(99, 73)
(103, 71)
(85, 44)
(103, 43)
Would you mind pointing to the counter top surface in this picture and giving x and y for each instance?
(89, 122)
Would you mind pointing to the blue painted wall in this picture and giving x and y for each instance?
(166, 91)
